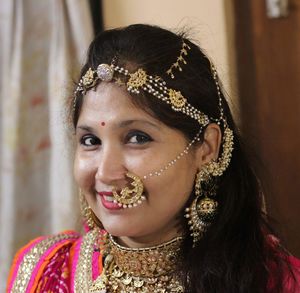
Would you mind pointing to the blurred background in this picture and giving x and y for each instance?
(255, 46)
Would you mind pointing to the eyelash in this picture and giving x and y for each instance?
(92, 137)
(138, 134)
(145, 137)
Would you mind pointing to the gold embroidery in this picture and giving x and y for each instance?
(31, 259)
(83, 274)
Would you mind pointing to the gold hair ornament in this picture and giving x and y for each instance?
(180, 60)
(140, 80)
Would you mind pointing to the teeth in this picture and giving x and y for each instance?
(125, 206)
(108, 198)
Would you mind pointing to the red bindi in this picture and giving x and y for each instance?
(103, 123)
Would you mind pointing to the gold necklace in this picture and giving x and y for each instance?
(139, 270)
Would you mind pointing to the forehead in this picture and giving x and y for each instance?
(110, 101)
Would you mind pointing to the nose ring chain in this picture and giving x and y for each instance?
(133, 195)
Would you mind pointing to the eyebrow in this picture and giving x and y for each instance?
(132, 121)
(84, 127)
(122, 124)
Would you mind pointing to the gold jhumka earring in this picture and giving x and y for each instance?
(89, 218)
(204, 207)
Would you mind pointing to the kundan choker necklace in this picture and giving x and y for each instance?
(139, 270)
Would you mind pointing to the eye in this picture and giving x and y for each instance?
(138, 137)
(89, 140)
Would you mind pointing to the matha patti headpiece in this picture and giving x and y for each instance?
(140, 80)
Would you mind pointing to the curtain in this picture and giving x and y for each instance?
(42, 46)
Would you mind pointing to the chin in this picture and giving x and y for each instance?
(118, 230)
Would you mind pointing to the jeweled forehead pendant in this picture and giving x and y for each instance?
(105, 72)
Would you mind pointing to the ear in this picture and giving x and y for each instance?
(209, 149)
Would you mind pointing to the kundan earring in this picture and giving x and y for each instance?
(203, 208)
(89, 218)
(130, 197)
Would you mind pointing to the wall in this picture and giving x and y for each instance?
(211, 23)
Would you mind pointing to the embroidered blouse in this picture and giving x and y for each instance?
(62, 262)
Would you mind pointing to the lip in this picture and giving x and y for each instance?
(110, 205)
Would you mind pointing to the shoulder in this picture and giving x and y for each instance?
(289, 268)
(292, 279)
(41, 258)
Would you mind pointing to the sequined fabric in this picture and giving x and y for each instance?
(56, 277)
(42, 265)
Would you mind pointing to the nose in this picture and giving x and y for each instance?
(110, 169)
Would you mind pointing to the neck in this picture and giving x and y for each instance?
(149, 240)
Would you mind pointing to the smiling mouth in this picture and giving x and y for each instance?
(107, 201)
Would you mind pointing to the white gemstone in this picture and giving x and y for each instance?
(105, 72)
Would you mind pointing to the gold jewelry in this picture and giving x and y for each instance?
(178, 157)
(203, 208)
(139, 269)
(140, 80)
(180, 59)
(218, 167)
(197, 226)
(87, 213)
(130, 197)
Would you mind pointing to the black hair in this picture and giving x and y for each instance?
(235, 254)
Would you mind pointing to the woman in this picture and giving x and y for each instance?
(169, 199)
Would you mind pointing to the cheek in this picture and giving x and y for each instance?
(84, 172)
(173, 188)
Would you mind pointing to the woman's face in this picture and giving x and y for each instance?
(114, 137)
